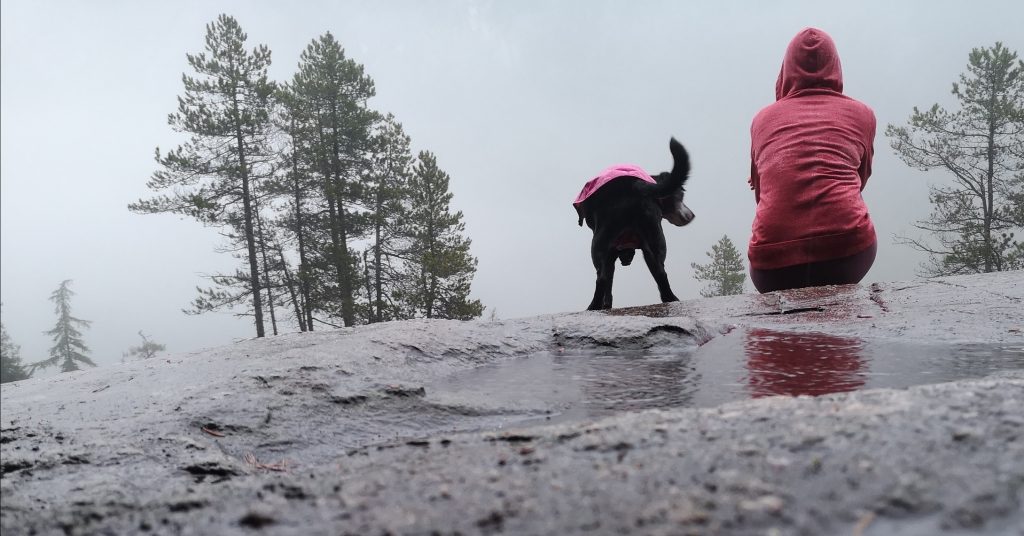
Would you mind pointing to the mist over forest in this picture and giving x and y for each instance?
(399, 160)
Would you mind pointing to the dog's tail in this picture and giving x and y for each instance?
(675, 179)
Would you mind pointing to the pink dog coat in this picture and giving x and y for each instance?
(619, 171)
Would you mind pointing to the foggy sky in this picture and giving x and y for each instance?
(522, 102)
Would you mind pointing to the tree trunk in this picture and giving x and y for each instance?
(370, 316)
(266, 271)
(290, 284)
(429, 280)
(335, 225)
(250, 240)
(66, 318)
(377, 268)
(990, 173)
(341, 251)
(307, 304)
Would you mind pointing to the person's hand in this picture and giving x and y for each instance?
(750, 181)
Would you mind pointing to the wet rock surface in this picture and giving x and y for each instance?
(352, 431)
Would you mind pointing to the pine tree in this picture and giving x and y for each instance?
(440, 268)
(327, 101)
(11, 368)
(147, 350)
(308, 215)
(387, 202)
(981, 145)
(215, 176)
(297, 187)
(725, 273)
(68, 348)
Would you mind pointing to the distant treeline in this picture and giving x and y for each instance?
(332, 218)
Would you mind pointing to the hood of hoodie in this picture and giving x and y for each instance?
(811, 61)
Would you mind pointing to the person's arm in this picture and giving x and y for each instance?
(754, 180)
(869, 153)
(865, 168)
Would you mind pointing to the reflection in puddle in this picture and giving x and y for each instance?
(745, 364)
(802, 364)
(758, 362)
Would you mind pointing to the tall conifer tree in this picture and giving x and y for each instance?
(329, 95)
(387, 194)
(68, 347)
(440, 268)
(215, 175)
(298, 187)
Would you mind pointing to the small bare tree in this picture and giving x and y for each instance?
(147, 350)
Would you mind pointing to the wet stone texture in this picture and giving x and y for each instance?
(376, 430)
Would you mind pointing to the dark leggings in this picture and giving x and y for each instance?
(843, 271)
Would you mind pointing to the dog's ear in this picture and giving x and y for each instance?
(581, 221)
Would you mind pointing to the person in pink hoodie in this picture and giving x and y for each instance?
(810, 158)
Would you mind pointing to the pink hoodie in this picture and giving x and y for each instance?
(810, 156)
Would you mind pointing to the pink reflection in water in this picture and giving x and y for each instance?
(781, 363)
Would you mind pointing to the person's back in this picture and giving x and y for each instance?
(811, 156)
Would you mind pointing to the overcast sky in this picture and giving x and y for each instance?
(522, 102)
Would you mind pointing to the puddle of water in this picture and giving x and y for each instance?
(766, 362)
(549, 387)
(753, 363)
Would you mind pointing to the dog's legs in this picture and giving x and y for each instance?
(609, 270)
(657, 267)
(654, 256)
(604, 262)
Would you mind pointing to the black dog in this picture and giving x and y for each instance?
(625, 214)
